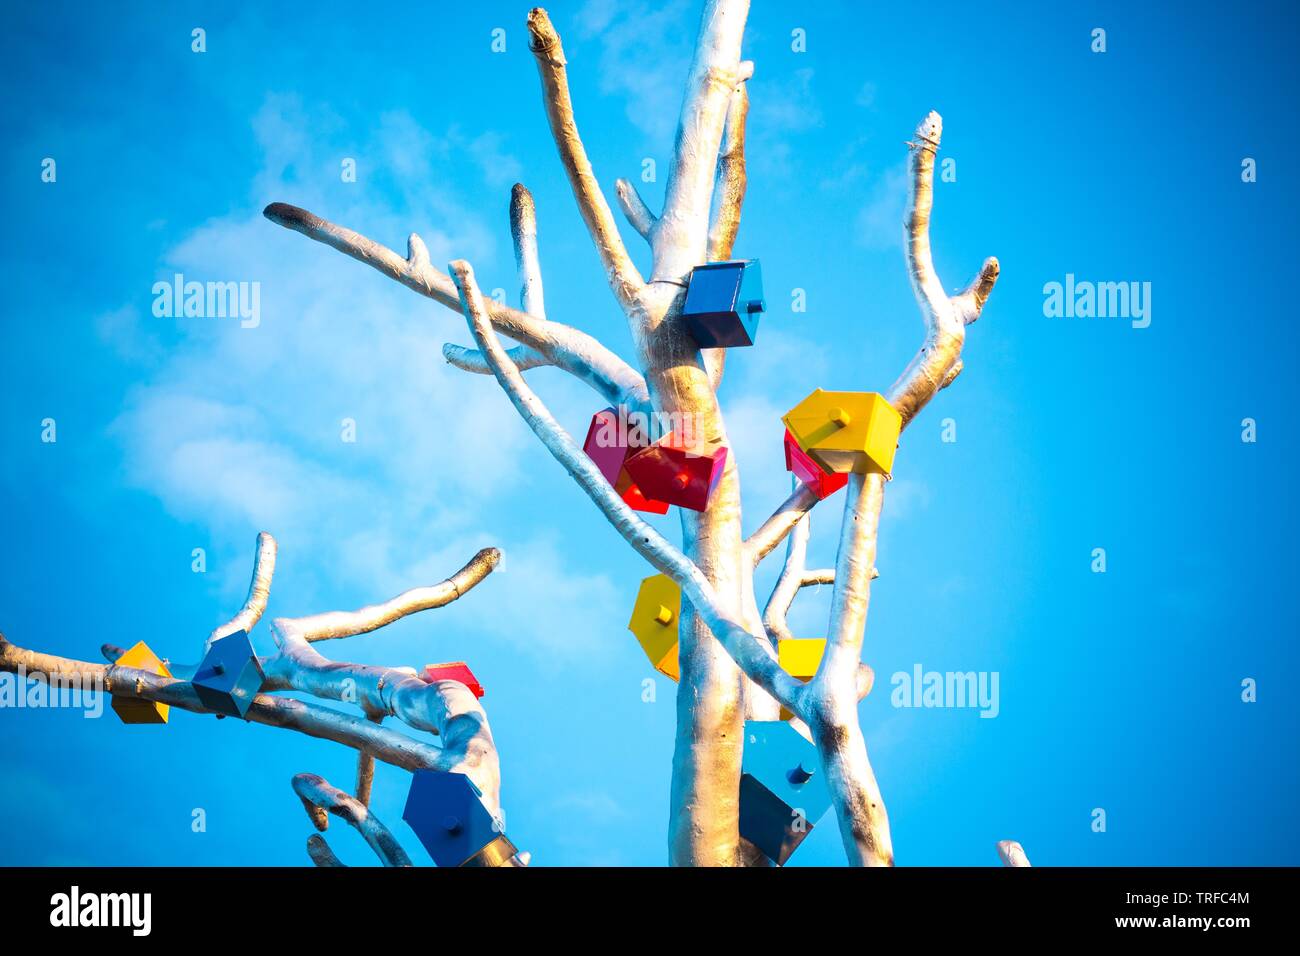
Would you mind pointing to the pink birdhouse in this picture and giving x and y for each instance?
(809, 472)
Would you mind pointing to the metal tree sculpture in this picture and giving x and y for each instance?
(727, 656)
(728, 649)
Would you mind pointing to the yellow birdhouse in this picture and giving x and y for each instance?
(133, 710)
(799, 657)
(654, 622)
(846, 431)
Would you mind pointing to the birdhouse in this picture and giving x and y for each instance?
(654, 622)
(608, 444)
(457, 671)
(809, 472)
(134, 710)
(678, 472)
(229, 676)
(799, 657)
(447, 813)
(783, 792)
(723, 303)
(846, 431)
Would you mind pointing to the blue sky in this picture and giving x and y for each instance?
(1119, 691)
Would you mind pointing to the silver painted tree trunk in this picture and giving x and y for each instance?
(727, 648)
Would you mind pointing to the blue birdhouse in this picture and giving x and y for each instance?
(723, 302)
(448, 815)
(230, 676)
(783, 792)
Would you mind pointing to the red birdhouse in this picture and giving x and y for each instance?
(609, 443)
(456, 670)
(809, 472)
(679, 473)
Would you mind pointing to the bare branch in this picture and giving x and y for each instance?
(336, 624)
(310, 719)
(318, 797)
(1012, 853)
(446, 708)
(728, 197)
(749, 653)
(638, 214)
(259, 589)
(681, 239)
(773, 531)
(838, 685)
(624, 279)
(320, 852)
(854, 564)
(471, 360)
(366, 768)
(945, 318)
(729, 191)
(565, 347)
(523, 230)
(788, 584)
(794, 577)
(859, 808)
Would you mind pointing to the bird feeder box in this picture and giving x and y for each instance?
(654, 622)
(783, 792)
(846, 431)
(678, 472)
(723, 303)
(229, 676)
(809, 472)
(608, 445)
(457, 671)
(800, 657)
(134, 710)
(447, 813)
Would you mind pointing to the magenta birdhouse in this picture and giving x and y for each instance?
(809, 472)
(609, 443)
(679, 473)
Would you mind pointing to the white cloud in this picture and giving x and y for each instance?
(240, 429)
(645, 55)
(880, 222)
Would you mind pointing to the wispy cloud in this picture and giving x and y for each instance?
(240, 430)
(645, 53)
(880, 221)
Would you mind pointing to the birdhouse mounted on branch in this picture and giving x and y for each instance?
(229, 676)
(457, 671)
(447, 813)
(809, 472)
(846, 431)
(654, 622)
(682, 473)
(799, 657)
(133, 710)
(723, 303)
(783, 792)
(609, 442)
